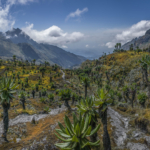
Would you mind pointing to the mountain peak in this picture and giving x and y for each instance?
(14, 32)
(147, 32)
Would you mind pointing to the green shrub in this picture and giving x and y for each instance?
(43, 100)
(142, 98)
(46, 109)
(51, 96)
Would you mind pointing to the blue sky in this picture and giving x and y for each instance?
(85, 27)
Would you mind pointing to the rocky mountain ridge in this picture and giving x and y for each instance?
(16, 42)
(141, 42)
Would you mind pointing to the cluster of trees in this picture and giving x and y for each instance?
(131, 48)
(118, 48)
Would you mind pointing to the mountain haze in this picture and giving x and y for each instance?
(16, 42)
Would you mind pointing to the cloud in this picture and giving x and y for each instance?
(77, 13)
(6, 20)
(13, 2)
(127, 35)
(53, 35)
(86, 46)
(64, 46)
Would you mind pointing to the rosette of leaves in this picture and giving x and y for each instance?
(119, 96)
(75, 97)
(7, 89)
(65, 85)
(57, 91)
(23, 71)
(107, 87)
(142, 99)
(22, 95)
(55, 75)
(46, 110)
(86, 107)
(39, 82)
(43, 100)
(51, 96)
(102, 99)
(43, 92)
(65, 95)
(52, 85)
(75, 135)
(26, 79)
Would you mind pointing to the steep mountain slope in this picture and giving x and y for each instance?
(42, 52)
(141, 42)
(28, 51)
(8, 49)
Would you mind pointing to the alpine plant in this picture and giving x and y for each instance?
(75, 135)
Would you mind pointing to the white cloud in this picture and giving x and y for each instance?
(13, 2)
(86, 46)
(77, 13)
(134, 31)
(6, 20)
(53, 35)
(64, 46)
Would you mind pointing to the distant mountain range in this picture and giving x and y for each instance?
(141, 42)
(16, 42)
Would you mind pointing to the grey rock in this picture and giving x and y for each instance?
(137, 146)
(10, 130)
(20, 102)
(18, 139)
(24, 131)
(28, 101)
(17, 133)
(147, 139)
(33, 120)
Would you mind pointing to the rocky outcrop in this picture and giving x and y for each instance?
(141, 42)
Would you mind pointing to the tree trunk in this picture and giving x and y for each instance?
(23, 103)
(113, 102)
(67, 104)
(106, 138)
(72, 100)
(93, 138)
(133, 96)
(148, 90)
(146, 75)
(107, 76)
(5, 120)
(85, 91)
(143, 75)
(39, 94)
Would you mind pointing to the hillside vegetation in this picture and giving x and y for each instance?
(119, 80)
